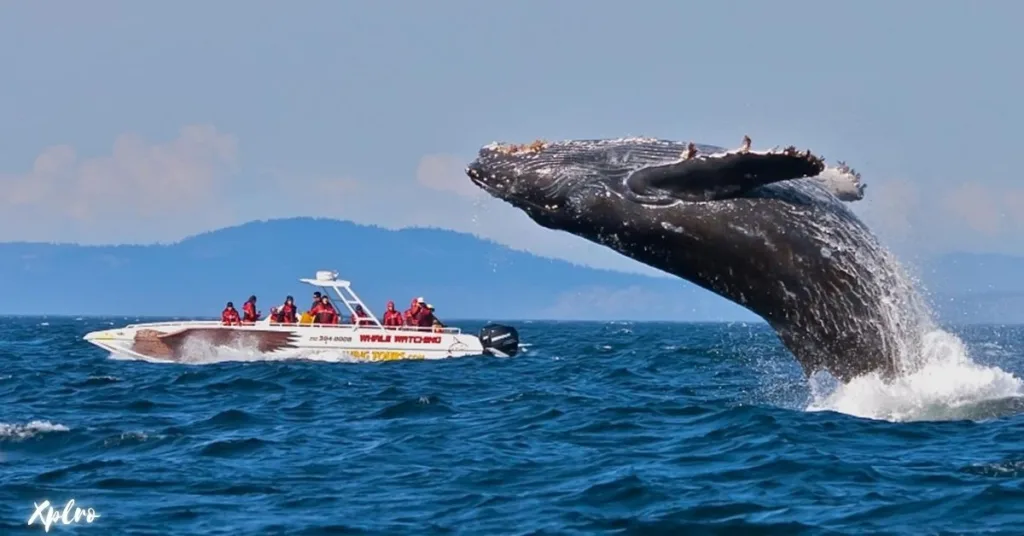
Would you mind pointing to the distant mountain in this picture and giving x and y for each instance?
(463, 276)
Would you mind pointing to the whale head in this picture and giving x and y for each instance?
(535, 178)
(557, 184)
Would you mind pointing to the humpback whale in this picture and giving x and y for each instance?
(768, 230)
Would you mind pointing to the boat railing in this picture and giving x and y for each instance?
(346, 296)
(447, 330)
(174, 324)
(210, 323)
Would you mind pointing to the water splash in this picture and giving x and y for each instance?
(947, 385)
(936, 377)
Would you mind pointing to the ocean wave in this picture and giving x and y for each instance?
(21, 432)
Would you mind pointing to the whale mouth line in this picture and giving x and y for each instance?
(511, 198)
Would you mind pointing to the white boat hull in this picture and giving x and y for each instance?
(175, 341)
(369, 341)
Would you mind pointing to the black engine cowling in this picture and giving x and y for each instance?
(499, 340)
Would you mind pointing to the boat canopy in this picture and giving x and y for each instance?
(326, 279)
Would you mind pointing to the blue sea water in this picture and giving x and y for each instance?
(614, 428)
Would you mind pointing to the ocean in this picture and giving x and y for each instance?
(597, 428)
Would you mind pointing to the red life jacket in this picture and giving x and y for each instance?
(392, 318)
(229, 316)
(424, 318)
(412, 313)
(325, 314)
(249, 312)
(286, 314)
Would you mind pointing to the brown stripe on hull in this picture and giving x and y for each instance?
(160, 345)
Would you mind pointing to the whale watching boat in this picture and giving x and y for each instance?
(367, 340)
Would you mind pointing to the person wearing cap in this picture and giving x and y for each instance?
(316, 300)
(392, 317)
(229, 316)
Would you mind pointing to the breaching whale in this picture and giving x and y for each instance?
(769, 230)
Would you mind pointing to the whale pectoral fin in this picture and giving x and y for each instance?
(705, 178)
(843, 182)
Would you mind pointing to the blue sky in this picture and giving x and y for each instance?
(150, 121)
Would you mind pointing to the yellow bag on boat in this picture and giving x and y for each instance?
(306, 318)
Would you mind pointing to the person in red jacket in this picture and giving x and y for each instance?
(229, 317)
(324, 312)
(286, 314)
(413, 311)
(392, 317)
(249, 312)
(423, 317)
(360, 317)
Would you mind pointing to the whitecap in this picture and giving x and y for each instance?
(19, 432)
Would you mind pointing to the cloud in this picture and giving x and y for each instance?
(1013, 200)
(445, 173)
(140, 192)
(959, 216)
(891, 205)
(976, 205)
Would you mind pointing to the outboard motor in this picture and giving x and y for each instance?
(499, 340)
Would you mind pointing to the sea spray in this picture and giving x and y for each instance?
(945, 386)
(936, 380)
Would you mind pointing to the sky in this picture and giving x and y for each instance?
(141, 122)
